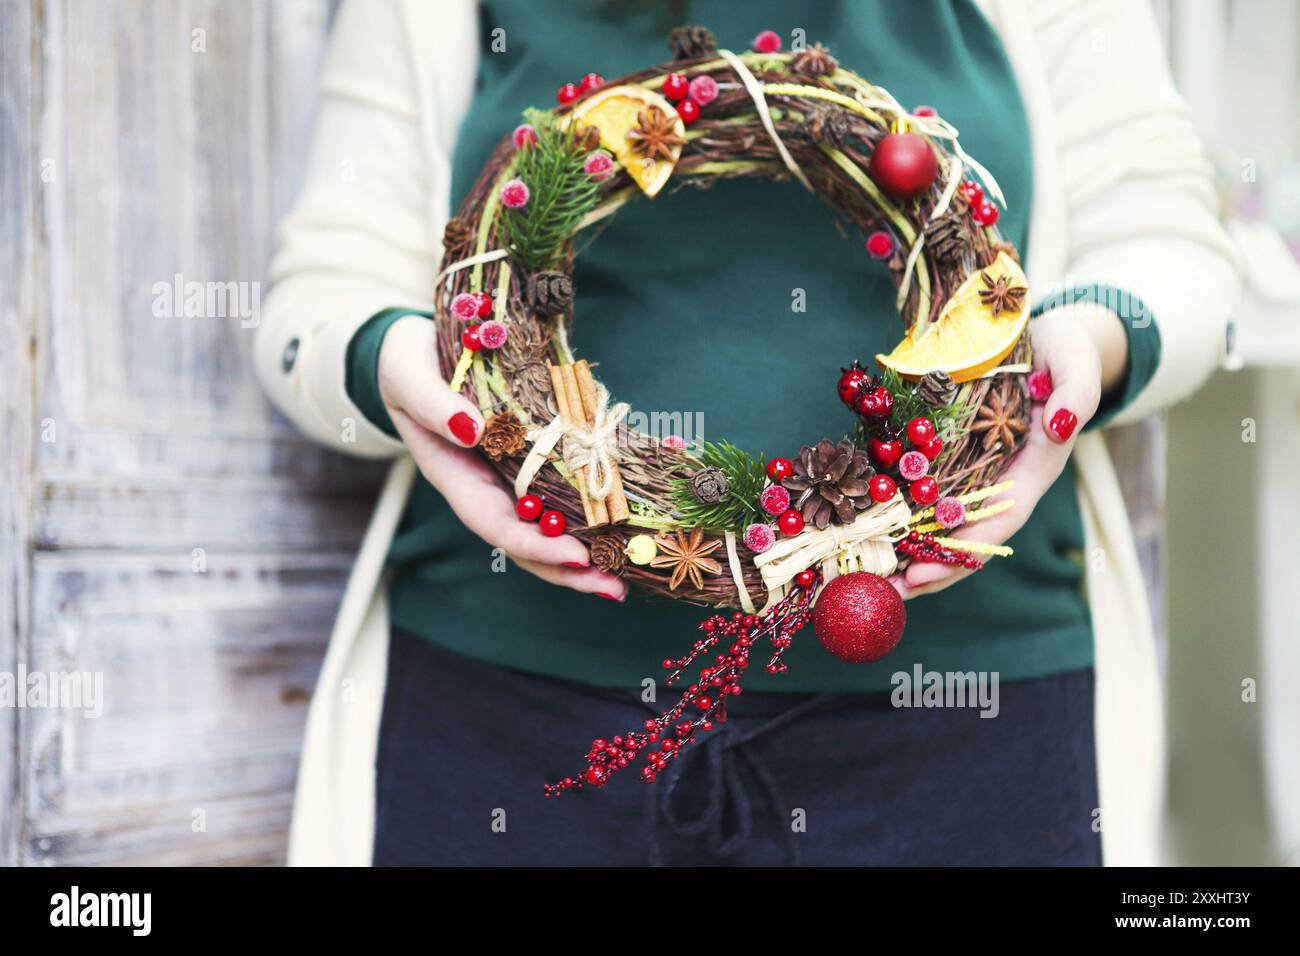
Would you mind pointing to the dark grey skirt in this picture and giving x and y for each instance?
(789, 779)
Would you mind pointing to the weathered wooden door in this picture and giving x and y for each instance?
(161, 526)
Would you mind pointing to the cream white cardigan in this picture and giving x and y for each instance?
(1122, 195)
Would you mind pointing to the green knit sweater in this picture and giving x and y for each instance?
(686, 302)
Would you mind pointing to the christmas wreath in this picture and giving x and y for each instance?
(783, 540)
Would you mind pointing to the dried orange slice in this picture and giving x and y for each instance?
(967, 340)
(615, 112)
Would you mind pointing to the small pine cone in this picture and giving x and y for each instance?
(937, 389)
(829, 126)
(457, 235)
(946, 238)
(504, 436)
(549, 293)
(690, 42)
(815, 60)
(709, 485)
(608, 552)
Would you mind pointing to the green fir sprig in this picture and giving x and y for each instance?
(746, 478)
(561, 193)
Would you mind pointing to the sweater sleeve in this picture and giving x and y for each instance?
(1141, 213)
(364, 232)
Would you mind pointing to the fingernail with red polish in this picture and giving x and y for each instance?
(608, 597)
(1062, 423)
(576, 564)
(463, 427)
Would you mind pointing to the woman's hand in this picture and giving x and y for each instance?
(1084, 349)
(438, 427)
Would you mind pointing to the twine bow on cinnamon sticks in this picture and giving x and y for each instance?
(588, 426)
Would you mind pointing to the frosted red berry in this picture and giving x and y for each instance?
(882, 488)
(779, 469)
(913, 465)
(567, 93)
(985, 213)
(920, 430)
(552, 523)
(470, 338)
(769, 41)
(676, 86)
(790, 523)
(925, 111)
(689, 111)
(950, 512)
(880, 244)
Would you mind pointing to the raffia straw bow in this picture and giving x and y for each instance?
(585, 446)
(865, 545)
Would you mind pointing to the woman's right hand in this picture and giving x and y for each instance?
(438, 427)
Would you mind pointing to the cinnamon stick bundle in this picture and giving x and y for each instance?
(568, 399)
(616, 503)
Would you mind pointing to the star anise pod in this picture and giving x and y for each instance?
(689, 42)
(1000, 295)
(998, 424)
(687, 557)
(830, 483)
(656, 134)
(814, 60)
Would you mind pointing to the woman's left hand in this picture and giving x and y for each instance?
(1084, 349)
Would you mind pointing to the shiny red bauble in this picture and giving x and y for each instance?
(567, 93)
(676, 86)
(884, 452)
(859, 617)
(779, 469)
(882, 488)
(903, 165)
(470, 338)
(920, 431)
(529, 507)
(552, 523)
(689, 111)
(925, 491)
(790, 523)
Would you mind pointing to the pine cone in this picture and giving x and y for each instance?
(709, 485)
(947, 238)
(690, 42)
(549, 293)
(831, 483)
(830, 126)
(457, 235)
(937, 388)
(607, 552)
(504, 436)
(815, 60)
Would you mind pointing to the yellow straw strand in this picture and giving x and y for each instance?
(975, 547)
(462, 369)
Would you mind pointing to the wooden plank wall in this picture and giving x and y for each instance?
(161, 526)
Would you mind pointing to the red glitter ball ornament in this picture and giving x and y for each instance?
(859, 617)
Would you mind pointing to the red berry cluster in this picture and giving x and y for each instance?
(677, 88)
(923, 547)
(662, 738)
(866, 395)
(983, 211)
(571, 91)
(551, 522)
